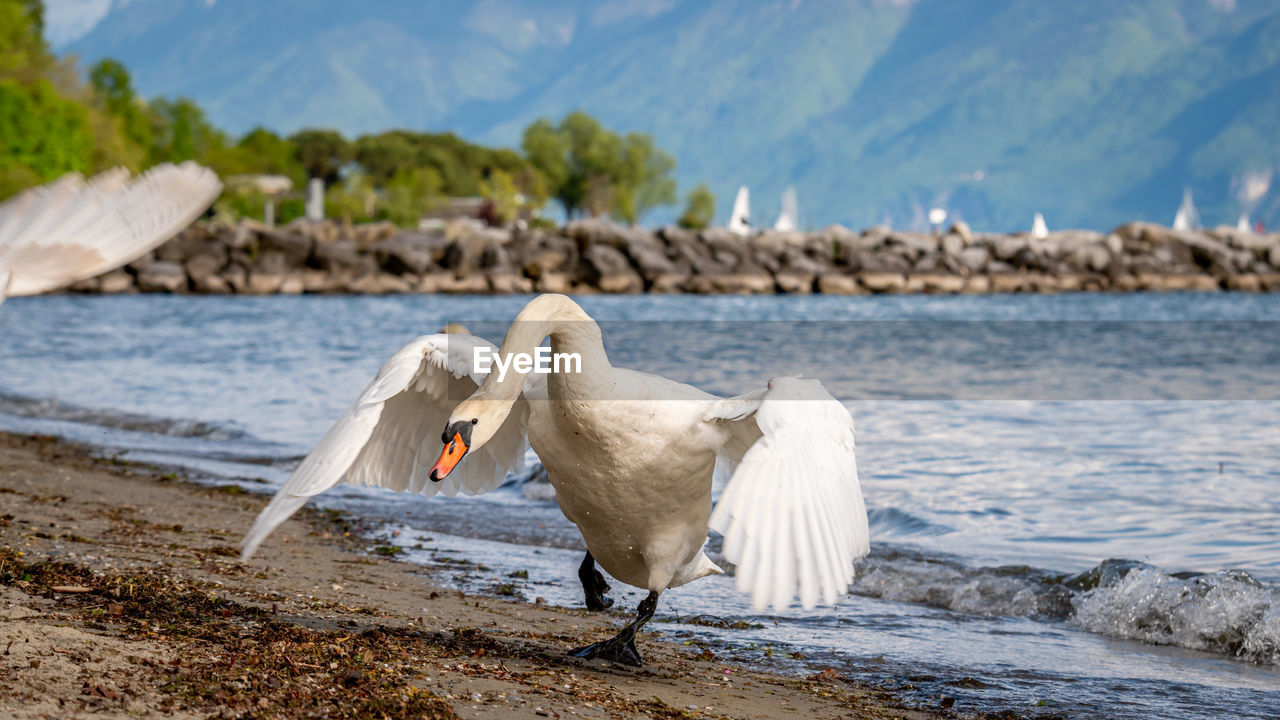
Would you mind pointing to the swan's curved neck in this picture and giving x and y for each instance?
(572, 332)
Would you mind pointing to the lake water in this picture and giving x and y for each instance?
(1075, 500)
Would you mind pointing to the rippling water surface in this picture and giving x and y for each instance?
(1075, 500)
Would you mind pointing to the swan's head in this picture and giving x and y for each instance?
(472, 424)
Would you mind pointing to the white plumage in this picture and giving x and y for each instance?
(70, 229)
(792, 515)
(390, 437)
(632, 457)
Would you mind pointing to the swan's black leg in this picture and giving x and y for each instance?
(621, 648)
(593, 584)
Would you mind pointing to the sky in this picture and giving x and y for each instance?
(67, 20)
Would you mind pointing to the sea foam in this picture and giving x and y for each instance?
(1226, 612)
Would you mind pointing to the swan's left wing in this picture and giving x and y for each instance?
(391, 436)
(69, 229)
(792, 515)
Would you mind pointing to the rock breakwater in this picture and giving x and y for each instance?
(595, 256)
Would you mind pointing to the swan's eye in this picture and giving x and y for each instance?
(475, 420)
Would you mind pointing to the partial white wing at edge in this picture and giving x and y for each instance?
(70, 230)
(792, 515)
(391, 436)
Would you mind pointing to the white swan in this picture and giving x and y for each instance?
(70, 229)
(632, 457)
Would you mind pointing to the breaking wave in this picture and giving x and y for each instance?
(1228, 612)
(903, 576)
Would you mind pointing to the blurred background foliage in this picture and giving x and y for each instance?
(54, 119)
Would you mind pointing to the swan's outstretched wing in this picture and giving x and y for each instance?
(69, 229)
(391, 437)
(792, 515)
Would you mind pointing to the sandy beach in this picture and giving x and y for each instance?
(123, 596)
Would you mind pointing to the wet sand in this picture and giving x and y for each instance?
(122, 595)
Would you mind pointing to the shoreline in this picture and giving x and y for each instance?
(123, 595)
(597, 256)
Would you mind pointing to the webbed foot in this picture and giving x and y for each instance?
(613, 650)
(594, 585)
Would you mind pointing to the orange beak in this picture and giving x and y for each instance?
(449, 458)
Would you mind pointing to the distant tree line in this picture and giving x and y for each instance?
(52, 122)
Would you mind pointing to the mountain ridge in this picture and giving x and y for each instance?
(1091, 112)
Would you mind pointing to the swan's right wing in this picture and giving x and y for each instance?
(69, 230)
(792, 514)
(391, 436)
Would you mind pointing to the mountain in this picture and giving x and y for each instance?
(1091, 112)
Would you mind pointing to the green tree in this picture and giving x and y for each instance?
(352, 199)
(500, 189)
(408, 195)
(241, 202)
(113, 85)
(24, 56)
(16, 178)
(700, 208)
(261, 151)
(590, 169)
(385, 155)
(457, 167)
(461, 165)
(547, 150)
(322, 153)
(643, 180)
(594, 163)
(180, 132)
(112, 147)
(42, 132)
(112, 82)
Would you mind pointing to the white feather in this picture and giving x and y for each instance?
(69, 230)
(792, 516)
(391, 436)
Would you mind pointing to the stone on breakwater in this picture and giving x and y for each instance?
(960, 229)
(836, 284)
(162, 276)
(606, 268)
(116, 281)
(975, 258)
(951, 244)
(408, 253)
(294, 248)
(509, 284)
(878, 282)
(1273, 256)
(940, 284)
(202, 269)
(342, 258)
